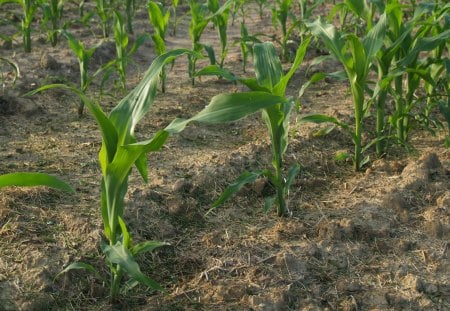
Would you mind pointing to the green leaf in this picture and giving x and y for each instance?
(331, 38)
(136, 104)
(33, 179)
(118, 254)
(268, 204)
(267, 65)
(147, 246)
(228, 107)
(292, 173)
(280, 87)
(318, 76)
(245, 178)
(374, 39)
(215, 70)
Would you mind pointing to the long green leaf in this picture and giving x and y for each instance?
(374, 39)
(136, 104)
(330, 36)
(280, 87)
(244, 179)
(228, 107)
(146, 246)
(33, 179)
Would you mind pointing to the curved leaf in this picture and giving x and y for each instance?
(228, 107)
(33, 179)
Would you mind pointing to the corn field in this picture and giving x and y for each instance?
(239, 154)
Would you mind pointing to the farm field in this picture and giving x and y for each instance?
(366, 232)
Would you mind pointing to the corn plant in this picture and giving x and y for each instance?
(103, 10)
(123, 53)
(28, 10)
(119, 153)
(53, 11)
(32, 180)
(84, 56)
(174, 17)
(410, 69)
(306, 13)
(246, 43)
(198, 23)
(220, 21)
(280, 14)
(270, 81)
(261, 4)
(356, 56)
(159, 17)
(129, 11)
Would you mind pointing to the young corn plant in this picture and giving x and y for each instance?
(84, 56)
(159, 18)
(261, 4)
(270, 81)
(280, 14)
(356, 56)
(121, 151)
(28, 10)
(220, 21)
(53, 11)
(198, 23)
(123, 53)
(174, 17)
(246, 43)
(103, 10)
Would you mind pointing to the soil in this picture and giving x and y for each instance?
(370, 240)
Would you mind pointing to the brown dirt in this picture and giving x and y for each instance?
(376, 240)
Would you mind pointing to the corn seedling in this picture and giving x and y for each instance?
(119, 153)
(271, 81)
(220, 21)
(32, 180)
(261, 4)
(246, 42)
(306, 12)
(280, 14)
(103, 10)
(174, 17)
(238, 6)
(53, 11)
(84, 56)
(159, 18)
(356, 56)
(28, 10)
(198, 23)
(123, 54)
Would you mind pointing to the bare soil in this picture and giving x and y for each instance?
(371, 240)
